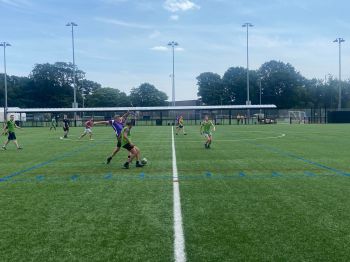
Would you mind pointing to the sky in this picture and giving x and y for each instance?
(123, 43)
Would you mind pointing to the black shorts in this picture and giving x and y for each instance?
(66, 128)
(128, 146)
(180, 126)
(11, 136)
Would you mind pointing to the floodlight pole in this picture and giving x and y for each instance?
(260, 93)
(173, 44)
(5, 44)
(72, 24)
(247, 25)
(339, 41)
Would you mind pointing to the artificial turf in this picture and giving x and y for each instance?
(261, 193)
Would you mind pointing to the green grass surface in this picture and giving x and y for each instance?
(262, 193)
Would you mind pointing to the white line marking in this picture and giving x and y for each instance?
(179, 239)
(239, 140)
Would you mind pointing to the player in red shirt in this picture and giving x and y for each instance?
(88, 129)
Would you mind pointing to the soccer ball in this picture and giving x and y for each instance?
(144, 161)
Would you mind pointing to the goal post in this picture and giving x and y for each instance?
(297, 117)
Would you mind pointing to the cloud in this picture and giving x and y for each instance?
(179, 5)
(164, 48)
(154, 34)
(159, 48)
(174, 17)
(16, 3)
(122, 23)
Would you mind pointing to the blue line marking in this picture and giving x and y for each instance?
(283, 153)
(40, 178)
(275, 174)
(108, 176)
(309, 174)
(208, 174)
(74, 178)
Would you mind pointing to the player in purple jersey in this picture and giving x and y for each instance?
(117, 124)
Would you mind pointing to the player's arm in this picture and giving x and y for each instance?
(4, 131)
(101, 122)
(201, 129)
(125, 115)
(212, 124)
(16, 126)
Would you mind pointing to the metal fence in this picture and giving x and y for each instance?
(191, 117)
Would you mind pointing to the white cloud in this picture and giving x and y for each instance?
(121, 23)
(16, 3)
(164, 48)
(174, 17)
(154, 34)
(179, 5)
(159, 48)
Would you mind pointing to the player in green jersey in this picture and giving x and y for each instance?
(206, 127)
(53, 123)
(10, 130)
(128, 145)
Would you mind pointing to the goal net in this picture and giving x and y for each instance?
(297, 117)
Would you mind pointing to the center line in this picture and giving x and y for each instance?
(179, 239)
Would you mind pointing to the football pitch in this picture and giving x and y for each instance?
(261, 193)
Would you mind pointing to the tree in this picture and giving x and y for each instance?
(210, 88)
(235, 86)
(281, 84)
(107, 97)
(147, 95)
(52, 85)
(16, 87)
(88, 87)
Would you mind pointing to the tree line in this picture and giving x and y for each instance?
(280, 84)
(51, 86)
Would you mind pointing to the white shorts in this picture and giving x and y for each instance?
(87, 131)
(206, 134)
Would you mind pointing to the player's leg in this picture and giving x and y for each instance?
(16, 143)
(65, 132)
(131, 151)
(115, 151)
(138, 157)
(6, 143)
(134, 153)
(209, 140)
(206, 140)
(82, 135)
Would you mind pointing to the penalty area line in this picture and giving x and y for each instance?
(179, 239)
